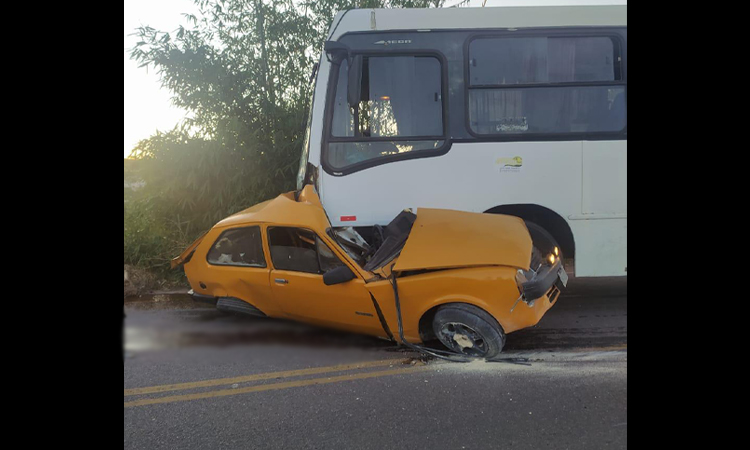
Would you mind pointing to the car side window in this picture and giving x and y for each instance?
(238, 247)
(300, 250)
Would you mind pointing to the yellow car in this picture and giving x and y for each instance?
(463, 278)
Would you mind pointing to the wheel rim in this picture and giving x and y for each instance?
(463, 339)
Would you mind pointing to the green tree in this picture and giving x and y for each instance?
(241, 68)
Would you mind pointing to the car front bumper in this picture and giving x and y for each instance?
(543, 281)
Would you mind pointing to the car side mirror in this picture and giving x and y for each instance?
(337, 275)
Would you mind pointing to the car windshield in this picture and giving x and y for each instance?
(392, 239)
(384, 244)
(356, 250)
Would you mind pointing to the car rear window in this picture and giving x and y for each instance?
(238, 247)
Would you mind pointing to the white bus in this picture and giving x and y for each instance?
(510, 110)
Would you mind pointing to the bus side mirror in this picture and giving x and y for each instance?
(354, 86)
(336, 51)
(337, 275)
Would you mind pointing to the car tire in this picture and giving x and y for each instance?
(468, 330)
(543, 244)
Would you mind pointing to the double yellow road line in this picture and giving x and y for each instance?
(268, 376)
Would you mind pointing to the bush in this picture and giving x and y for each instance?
(151, 240)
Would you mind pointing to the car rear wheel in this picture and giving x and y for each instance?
(468, 330)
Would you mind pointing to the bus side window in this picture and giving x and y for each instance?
(542, 66)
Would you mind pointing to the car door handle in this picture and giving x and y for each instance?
(281, 281)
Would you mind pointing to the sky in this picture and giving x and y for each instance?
(147, 104)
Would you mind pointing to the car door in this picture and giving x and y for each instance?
(300, 258)
(239, 268)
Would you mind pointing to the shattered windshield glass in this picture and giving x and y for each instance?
(352, 243)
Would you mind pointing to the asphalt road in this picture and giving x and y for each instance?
(196, 378)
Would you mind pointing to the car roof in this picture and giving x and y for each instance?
(306, 212)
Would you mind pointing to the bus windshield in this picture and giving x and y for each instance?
(400, 110)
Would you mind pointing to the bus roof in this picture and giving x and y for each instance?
(469, 18)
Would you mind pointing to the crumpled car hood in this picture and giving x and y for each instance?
(441, 239)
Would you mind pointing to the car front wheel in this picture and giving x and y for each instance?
(468, 330)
